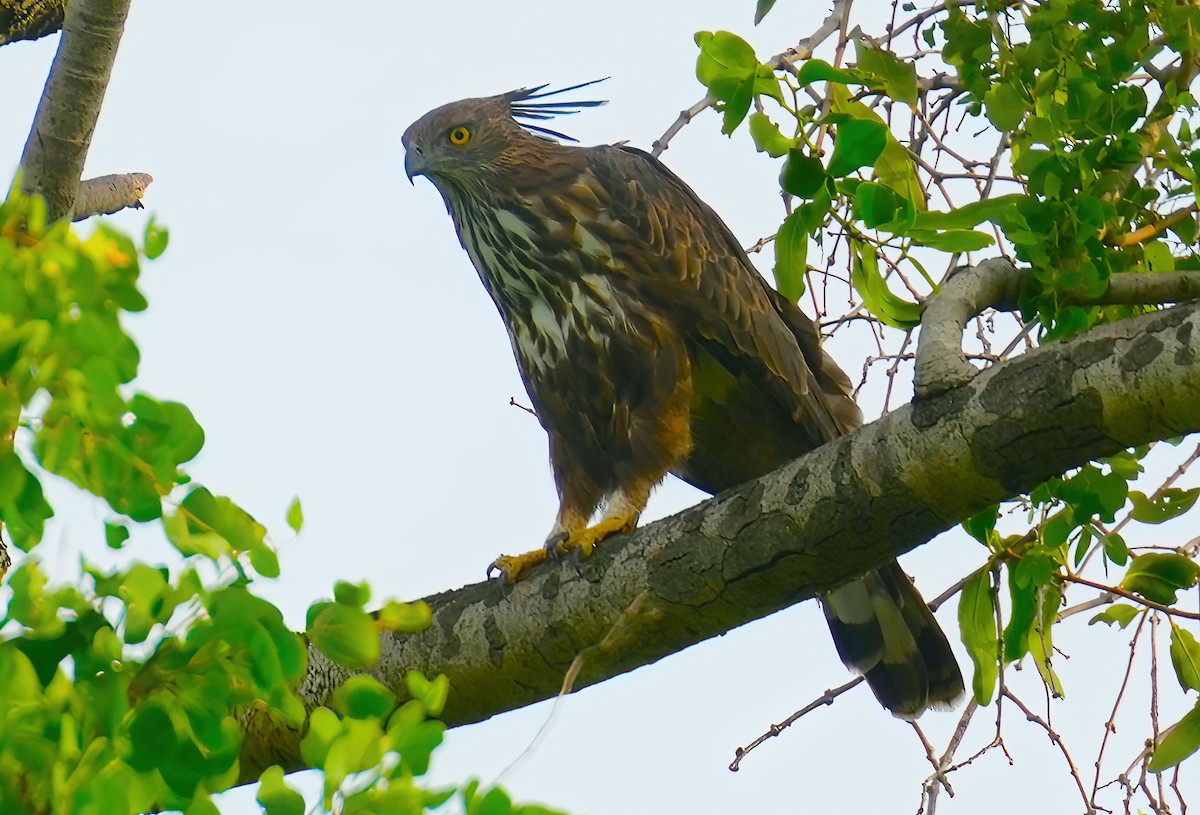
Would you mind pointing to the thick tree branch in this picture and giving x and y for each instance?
(29, 19)
(110, 193)
(816, 522)
(52, 162)
(941, 364)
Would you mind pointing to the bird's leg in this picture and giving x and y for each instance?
(621, 514)
(571, 532)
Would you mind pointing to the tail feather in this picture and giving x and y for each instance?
(883, 629)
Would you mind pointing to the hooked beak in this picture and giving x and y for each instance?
(414, 164)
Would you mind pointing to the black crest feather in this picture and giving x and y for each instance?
(529, 104)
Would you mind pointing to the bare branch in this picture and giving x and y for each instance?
(52, 162)
(110, 193)
(827, 517)
(997, 284)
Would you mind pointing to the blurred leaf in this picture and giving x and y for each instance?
(761, 8)
(431, 694)
(363, 697)
(115, 535)
(345, 634)
(155, 238)
(351, 594)
(405, 618)
(295, 516)
(275, 796)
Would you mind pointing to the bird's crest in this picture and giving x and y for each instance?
(525, 104)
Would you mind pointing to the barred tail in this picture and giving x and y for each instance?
(883, 629)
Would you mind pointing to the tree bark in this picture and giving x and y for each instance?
(29, 19)
(52, 162)
(825, 518)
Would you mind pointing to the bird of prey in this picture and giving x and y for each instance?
(650, 345)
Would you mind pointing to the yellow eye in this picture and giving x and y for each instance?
(460, 136)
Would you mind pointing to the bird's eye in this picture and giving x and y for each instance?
(460, 136)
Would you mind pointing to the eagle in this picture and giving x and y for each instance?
(649, 344)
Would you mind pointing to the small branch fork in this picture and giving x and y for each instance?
(785, 60)
(941, 364)
(55, 151)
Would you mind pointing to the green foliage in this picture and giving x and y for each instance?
(977, 620)
(124, 690)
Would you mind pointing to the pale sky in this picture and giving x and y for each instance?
(319, 317)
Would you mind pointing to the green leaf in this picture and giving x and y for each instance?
(898, 79)
(857, 143)
(876, 296)
(981, 525)
(363, 697)
(155, 238)
(954, 240)
(977, 619)
(1041, 637)
(1181, 741)
(767, 138)
(1115, 549)
(791, 256)
(761, 8)
(432, 695)
(323, 727)
(405, 618)
(1023, 596)
(115, 535)
(495, 802)
(1185, 656)
(816, 70)
(1159, 576)
(1120, 613)
(351, 594)
(1005, 107)
(880, 207)
(802, 174)
(345, 634)
(964, 217)
(1169, 503)
(1158, 256)
(295, 515)
(728, 68)
(359, 746)
(275, 796)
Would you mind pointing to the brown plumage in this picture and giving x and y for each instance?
(649, 344)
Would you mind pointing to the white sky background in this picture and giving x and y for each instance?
(318, 315)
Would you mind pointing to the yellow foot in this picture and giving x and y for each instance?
(584, 541)
(514, 566)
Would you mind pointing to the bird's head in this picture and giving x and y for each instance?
(463, 139)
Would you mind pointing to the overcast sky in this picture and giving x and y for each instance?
(318, 315)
